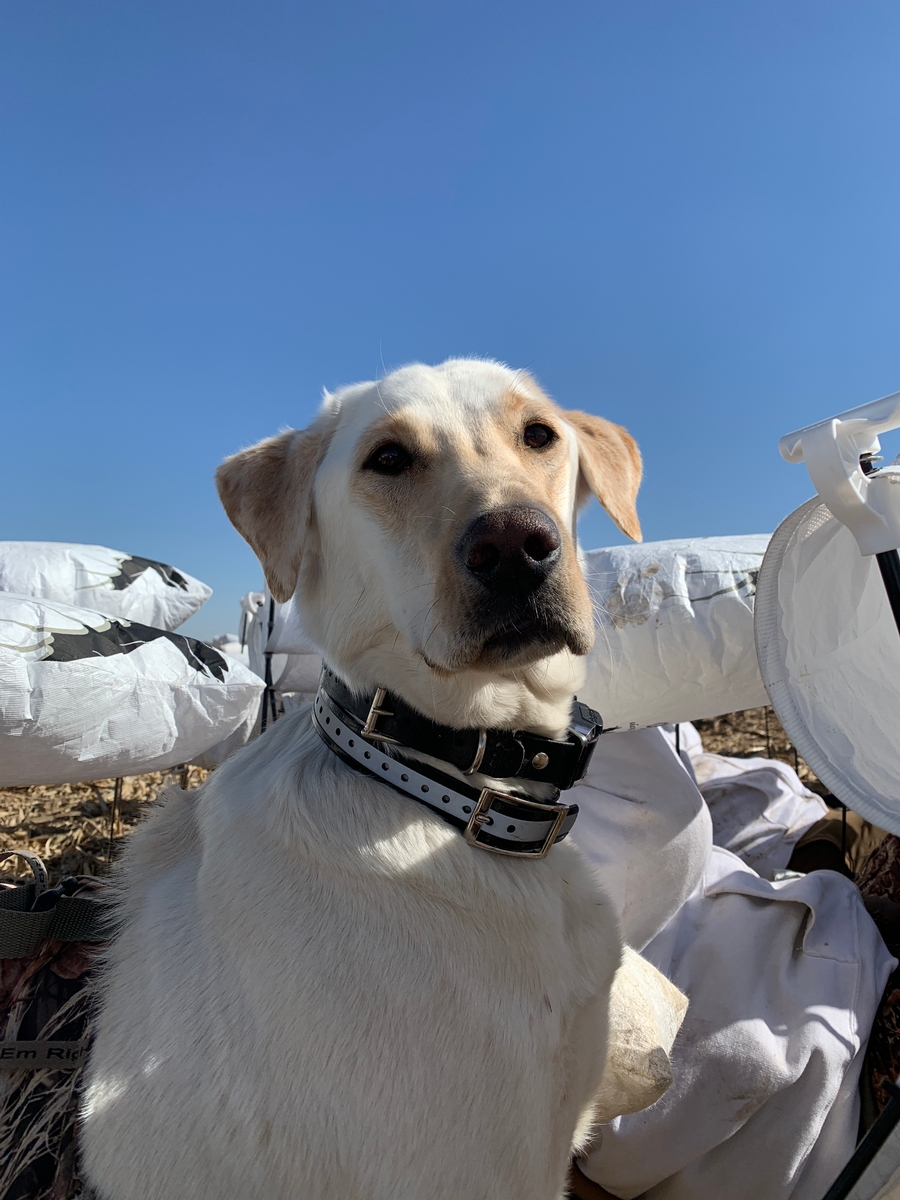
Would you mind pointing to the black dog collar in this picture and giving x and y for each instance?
(494, 752)
(490, 819)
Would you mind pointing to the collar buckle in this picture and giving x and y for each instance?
(481, 816)
(479, 753)
(369, 730)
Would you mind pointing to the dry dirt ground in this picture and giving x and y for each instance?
(755, 732)
(78, 828)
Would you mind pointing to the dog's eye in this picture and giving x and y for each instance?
(538, 436)
(388, 460)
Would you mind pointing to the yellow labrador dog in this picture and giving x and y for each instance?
(361, 963)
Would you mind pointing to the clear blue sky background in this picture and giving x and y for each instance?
(682, 214)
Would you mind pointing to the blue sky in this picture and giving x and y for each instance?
(682, 215)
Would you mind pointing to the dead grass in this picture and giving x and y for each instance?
(755, 732)
(72, 828)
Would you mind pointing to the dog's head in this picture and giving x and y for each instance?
(426, 524)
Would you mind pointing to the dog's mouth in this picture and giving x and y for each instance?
(519, 640)
(521, 637)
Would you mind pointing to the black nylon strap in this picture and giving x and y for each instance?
(505, 754)
(508, 824)
(72, 919)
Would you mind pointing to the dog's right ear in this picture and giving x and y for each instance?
(267, 493)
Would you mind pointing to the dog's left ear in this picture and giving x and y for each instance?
(609, 468)
(267, 493)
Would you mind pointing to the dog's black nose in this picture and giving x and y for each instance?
(511, 549)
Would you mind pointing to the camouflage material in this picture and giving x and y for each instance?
(879, 882)
(44, 997)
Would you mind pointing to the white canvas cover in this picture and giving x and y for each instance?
(674, 630)
(245, 732)
(296, 662)
(759, 807)
(84, 696)
(783, 982)
(294, 676)
(829, 653)
(230, 644)
(107, 581)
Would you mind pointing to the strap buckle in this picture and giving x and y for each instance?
(481, 816)
(369, 729)
(479, 753)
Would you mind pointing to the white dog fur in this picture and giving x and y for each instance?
(320, 991)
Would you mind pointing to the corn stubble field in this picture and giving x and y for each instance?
(78, 828)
